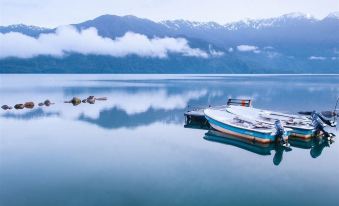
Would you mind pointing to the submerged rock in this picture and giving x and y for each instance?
(5, 107)
(91, 99)
(29, 105)
(47, 102)
(75, 101)
(19, 106)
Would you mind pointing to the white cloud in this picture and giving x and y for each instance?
(214, 52)
(230, 49)
(248, 48)
(131, 103)
(67, 39)
(317, 58)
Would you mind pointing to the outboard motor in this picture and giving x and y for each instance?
(318, 122)
(280, 131)
(325, 120)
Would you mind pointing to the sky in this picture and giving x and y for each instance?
(53, 13)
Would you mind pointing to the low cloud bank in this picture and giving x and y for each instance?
(214, 52)
(248, 48)
(68, 40)
(317, 58)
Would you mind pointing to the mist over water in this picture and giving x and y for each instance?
(133, 149)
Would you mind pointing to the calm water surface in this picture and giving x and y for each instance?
(134, 149)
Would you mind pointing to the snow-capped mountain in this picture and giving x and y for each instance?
(181, 24)
(114, 26)
(292, 42)
(243, 24)
(270, 22)
(333, 15)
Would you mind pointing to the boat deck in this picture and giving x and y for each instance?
(197, 114)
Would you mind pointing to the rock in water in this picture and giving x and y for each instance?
(91, 99)
(47, 102)
(84, 100)
(29, 105)
(41, 104)
(76, 101)
(19, 106)
(5, 107)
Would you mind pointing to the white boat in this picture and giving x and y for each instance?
(301, 126)
(224, 121)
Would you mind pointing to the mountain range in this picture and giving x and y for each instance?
(291, 43)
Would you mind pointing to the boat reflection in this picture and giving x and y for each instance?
(255, 147)
(316, 145)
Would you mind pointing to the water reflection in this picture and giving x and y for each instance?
(122, 109)
(315, 145)
(254, 147)
(118, 118)
(115, 149)
(139, 95)
(30, 114)
(319, 146)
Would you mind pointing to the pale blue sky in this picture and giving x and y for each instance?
(52, 13)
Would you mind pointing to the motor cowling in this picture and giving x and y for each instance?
(319, 118)
(280, 131)
(319, 123)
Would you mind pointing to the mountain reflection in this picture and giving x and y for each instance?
(30, 115)
(117, 118)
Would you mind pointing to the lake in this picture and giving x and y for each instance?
(133, 149)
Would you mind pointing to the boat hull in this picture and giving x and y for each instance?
(264, 138)
(302, 133)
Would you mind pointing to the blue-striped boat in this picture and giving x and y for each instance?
(301, 126)
(257, 131)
